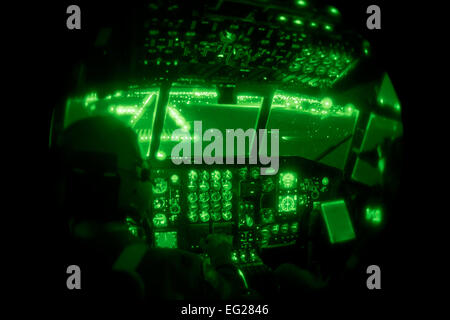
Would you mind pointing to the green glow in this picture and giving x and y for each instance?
(90, 98)
(333, 11)
(166, 240)
(298, 22)
(174, 178)
(325, 181)
(288, 180)
(313, 24)
(282, 18)
(327, 103)
(349, 108)
(249, 100)
(328, 27)
(287, 203)
(161, 155)
(160, 220)
(381, 165)
(302, 3)
(303, 104)
(374, 215)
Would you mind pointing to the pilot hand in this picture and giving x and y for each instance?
(218, 247)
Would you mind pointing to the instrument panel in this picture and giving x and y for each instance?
(258, 211)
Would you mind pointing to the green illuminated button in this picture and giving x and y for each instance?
(175, 178)
(227, 205)
(294, 227)
(215, 175)
(249, 221)
(193, 175)
(243, 173)
(204, 207)
(160, 220)
(288, 180)
(325, 181)
(226, 215)
(227, 175)
(284, 228)
(175, 208)
(159, 186)
(204, 197)
(374, 215)
(216, 185)
(215, 196)
(255, 173)
(268, 185)
(158, 203)
(192, 186)
(192, 216)
(227, 185)
(204, 216)
(216, 216)
(193, 207)
(205, 175)
(234, 256)
(192, 197)
(227, 195)
(275, 228)
(204, 186)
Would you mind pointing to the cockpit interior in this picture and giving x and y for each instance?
(291, 67)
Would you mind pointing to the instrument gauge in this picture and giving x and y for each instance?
(160, 220)
(226, 215)
(159, 186)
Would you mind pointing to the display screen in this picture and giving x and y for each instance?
(167, 239)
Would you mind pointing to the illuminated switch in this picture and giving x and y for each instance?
(275, 229)
(294, 227)
(204, 186)
(193, 175)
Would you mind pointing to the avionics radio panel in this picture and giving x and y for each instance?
(190, 202)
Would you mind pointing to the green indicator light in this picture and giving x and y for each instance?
(313, 24)
(333, 11)
(381, 165)
(326, 103)
(174, 178)
(328, 27)
(349, 108)
(298, 22)
(302, 3)
(145, 62)
(161, 155)
(325, 181)
(374, 215)
(282, 18)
